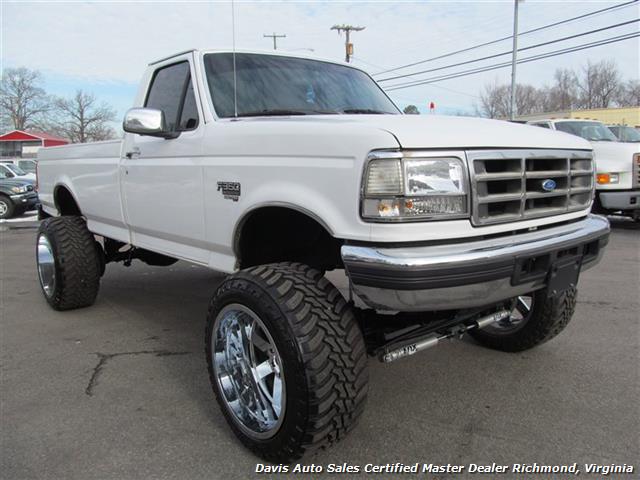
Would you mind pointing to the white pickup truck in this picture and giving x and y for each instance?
(617, 165)
(275, 169)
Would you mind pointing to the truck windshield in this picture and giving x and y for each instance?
(28, 166)
(626, 134)
(593, 131)
(15, 169)
(275, 85)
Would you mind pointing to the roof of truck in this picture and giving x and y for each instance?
(280, 53)
(564, 120)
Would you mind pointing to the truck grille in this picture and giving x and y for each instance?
(514, 185)
(636, 170)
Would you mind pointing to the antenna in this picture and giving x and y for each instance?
(235, 80)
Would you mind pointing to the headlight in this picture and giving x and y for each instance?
(19, 189)
(415, 189)
(607, 178)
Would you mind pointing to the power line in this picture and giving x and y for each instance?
(455, 91)
(360, 59)
(590, 32)
(467, 94)
(496, 66)
(492, 42)
(532, 58)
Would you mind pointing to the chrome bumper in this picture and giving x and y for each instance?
(470, 274)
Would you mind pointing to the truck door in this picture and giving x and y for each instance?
(161, 180)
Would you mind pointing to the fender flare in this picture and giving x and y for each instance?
(286, 205)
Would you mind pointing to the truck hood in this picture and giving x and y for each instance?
(614, 156)
(27, 176)
(439, 131)
(15, 182)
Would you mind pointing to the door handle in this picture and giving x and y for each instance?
(135, 151)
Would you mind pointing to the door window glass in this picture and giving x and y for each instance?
(189, 115)
(172, 92)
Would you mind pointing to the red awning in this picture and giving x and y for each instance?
(21, 135)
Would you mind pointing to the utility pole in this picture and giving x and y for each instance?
(514, 61)
(275, 37)
(348, 46)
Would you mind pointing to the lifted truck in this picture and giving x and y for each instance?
(275, 169)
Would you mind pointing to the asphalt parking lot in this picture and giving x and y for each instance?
(120, 390)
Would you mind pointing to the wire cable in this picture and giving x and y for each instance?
(532, 58)
(570, 37)
(487, 68)
(492, 42)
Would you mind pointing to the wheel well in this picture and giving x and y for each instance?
(65, 203)
(278, 234)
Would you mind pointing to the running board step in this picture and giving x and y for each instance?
(391, 353)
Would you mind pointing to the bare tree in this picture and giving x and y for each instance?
(411, 110)
(81, 119)
(599, 84)
(563, 95)
(527, 99)
(494, 100)
(629, 94)
(23, 103)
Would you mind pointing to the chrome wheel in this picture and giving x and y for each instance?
(4, 208)
(46, 266)
(248, 370)
(520, 314)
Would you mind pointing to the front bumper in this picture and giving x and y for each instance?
(620, 200)
(26, 200)
(471, 274)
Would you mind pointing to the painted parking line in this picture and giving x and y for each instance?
(30, 216)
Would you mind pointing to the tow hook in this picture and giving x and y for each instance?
(391, 354)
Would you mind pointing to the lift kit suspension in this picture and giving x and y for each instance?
(393, 352)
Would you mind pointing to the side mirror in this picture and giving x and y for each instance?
(147, 121)
(9, 174)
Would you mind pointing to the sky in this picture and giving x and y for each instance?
(104, 46)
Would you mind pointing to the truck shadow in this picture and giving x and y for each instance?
(171, 304)
(623, 223)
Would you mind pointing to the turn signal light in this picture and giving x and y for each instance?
(607, 178)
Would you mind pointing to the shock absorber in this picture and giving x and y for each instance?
(393, 353)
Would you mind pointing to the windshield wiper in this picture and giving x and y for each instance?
(266, 112)
(364, 110)
(283, 112)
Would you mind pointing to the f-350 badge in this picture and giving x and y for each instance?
(230, 190)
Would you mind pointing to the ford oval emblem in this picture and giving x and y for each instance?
(548, 185)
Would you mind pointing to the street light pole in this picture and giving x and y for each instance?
(514, 61)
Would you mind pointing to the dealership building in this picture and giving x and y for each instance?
(611, 116)
(25, 144)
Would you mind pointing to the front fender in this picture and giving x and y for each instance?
(335, 212)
